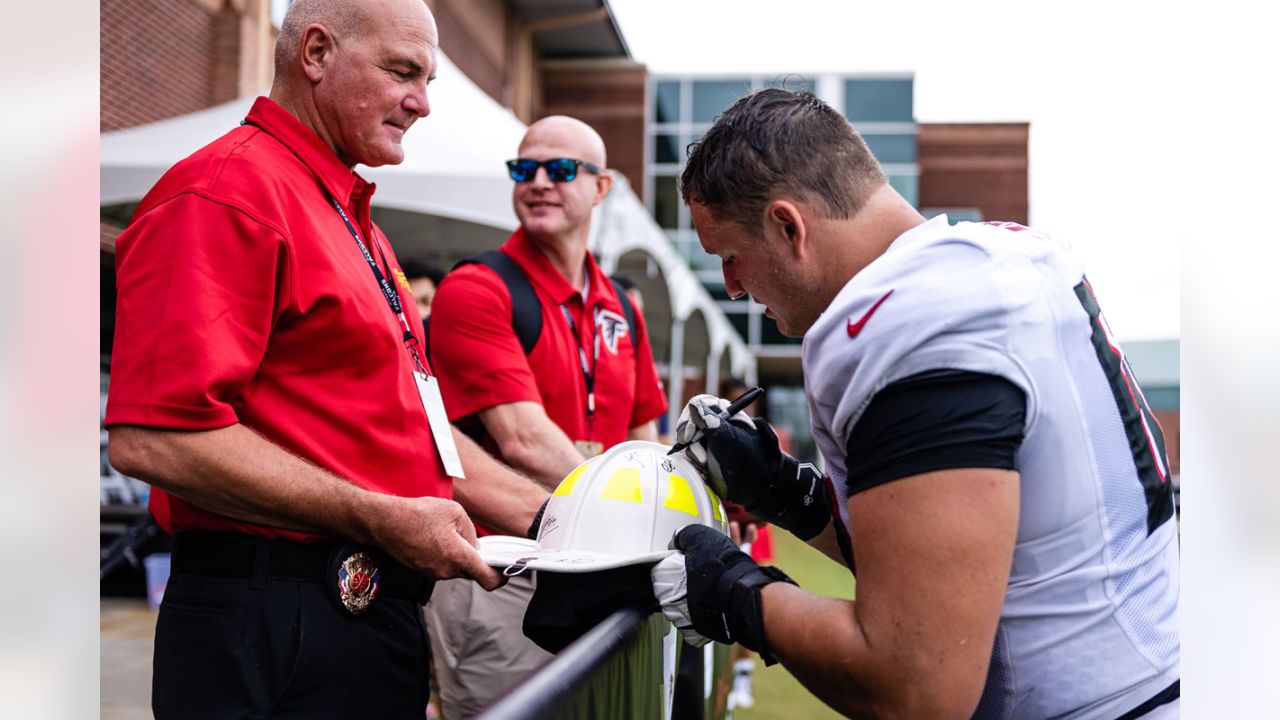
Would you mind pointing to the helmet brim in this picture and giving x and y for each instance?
(505, 551)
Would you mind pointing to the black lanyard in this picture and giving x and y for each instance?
(388, 291)
(588, 371)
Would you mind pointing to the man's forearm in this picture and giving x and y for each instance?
(493, 493)
(821, 642)
(235, 472)
(934, 552)
(644, 431)
(530, 442)
(826, 543)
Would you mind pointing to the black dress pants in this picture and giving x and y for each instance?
(227, 649)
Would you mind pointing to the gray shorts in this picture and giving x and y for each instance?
(479, 649)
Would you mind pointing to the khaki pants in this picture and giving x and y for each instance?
(479, 649)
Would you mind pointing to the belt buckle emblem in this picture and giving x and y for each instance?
(357, 582)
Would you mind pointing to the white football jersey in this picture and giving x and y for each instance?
(1089, 626)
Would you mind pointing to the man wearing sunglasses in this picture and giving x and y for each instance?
(587, 384)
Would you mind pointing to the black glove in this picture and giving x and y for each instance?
(532, 532)
(741, 460)
(724, 584)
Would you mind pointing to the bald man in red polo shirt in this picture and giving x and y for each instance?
(265, 380)
(586, 386)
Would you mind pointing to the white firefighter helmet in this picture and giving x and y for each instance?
(619, 508)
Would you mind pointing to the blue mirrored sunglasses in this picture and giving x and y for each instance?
(558, 169)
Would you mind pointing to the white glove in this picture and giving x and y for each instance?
(702, 414)
(671, 589)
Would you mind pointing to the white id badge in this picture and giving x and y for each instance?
(433, 403)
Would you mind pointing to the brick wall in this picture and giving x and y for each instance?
(480, 37)
(1171, 425)
(163, 58)
(979, 165)
(609, 96)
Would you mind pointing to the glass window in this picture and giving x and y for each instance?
(1163, 398)
(789, 408)
(712, 97)
(666, 98)
(793, 82)
(908, 186)
(700, 259)
(666, 202)
(739, 321)
(877, 100)
(666, 149)
(685, 242)
(717, 291)
(892, 148)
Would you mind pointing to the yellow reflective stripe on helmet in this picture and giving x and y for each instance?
(624, 485)
(717, 511)
(680, 496)
(566, 485)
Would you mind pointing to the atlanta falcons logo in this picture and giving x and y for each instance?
(610, 327)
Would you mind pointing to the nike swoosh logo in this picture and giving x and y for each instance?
(856, 327)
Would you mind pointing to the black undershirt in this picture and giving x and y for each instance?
(937, 420)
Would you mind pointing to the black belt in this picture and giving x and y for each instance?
(1166, 695)
(236, 555)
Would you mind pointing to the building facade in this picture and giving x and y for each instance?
(163, 58)
(974, 171)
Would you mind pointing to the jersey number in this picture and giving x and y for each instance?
(1146, 439)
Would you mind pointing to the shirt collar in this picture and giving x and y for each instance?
(337, 179)
(927, 227)
(545, 274)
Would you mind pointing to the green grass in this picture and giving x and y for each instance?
(778, 695)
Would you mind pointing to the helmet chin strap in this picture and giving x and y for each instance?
(517, 567)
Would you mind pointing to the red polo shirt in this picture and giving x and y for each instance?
(481, 364)
(243, 298)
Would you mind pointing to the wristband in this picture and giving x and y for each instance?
(748, 610)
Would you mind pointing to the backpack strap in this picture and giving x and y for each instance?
(628, 311)
(526, 308)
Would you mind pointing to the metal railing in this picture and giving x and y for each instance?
(549, 692)
(624, 667)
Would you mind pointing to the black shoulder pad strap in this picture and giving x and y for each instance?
(526, 309)
(628, 310)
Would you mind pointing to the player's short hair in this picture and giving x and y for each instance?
(778, 143)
